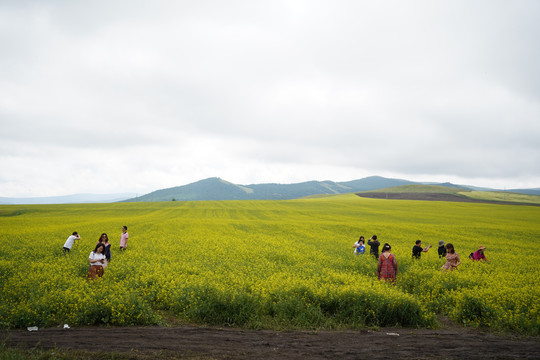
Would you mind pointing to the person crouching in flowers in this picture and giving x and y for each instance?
(97, 259)
(452, 258)
(387, 268)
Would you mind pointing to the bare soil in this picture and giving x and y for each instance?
(433, 197)
(191, 342)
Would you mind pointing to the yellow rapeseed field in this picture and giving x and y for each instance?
(269, 264)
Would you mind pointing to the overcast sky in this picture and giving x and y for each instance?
(134, 96)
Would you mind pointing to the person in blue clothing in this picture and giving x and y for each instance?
(359, 246)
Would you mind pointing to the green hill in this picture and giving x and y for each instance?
(219, 189)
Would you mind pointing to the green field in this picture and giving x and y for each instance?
(269, 264)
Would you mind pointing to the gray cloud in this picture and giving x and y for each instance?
(161, 94)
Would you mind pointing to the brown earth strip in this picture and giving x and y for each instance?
(433, 197)
(188, 342)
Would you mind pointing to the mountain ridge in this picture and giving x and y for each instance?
(215, 188)
(67, 199)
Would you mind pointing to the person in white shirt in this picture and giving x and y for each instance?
(359, 246)
(97, 260)
(69, 242)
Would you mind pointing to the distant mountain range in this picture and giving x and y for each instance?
(219, 189)
(68, 199)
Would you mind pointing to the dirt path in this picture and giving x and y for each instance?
(188, 342)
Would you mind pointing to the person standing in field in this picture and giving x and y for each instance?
(105, 239)
(479, 254)
(452, 258)
(97, 260)
(124, 238)
(70, 241)
(374, 243)
(417, 249)
(442, 249)
(359, 246)
(387, 268)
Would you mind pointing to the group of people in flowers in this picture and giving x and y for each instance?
(387, 267)
(101, 255)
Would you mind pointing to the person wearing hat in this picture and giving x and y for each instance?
(441, 249)
(479, 254)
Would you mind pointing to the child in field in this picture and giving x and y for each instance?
(387, 268)
(359, 247)
(70, 241)
(452, 258)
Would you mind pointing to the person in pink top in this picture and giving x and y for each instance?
(479, 254)
(124, 238)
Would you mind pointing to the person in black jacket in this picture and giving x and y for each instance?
(441, 249)
(374, 243)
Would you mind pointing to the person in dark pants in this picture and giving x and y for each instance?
(442, 249)
(374, 243)
(70, 241)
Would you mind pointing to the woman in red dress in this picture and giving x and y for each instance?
(387, 268)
